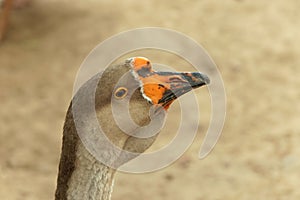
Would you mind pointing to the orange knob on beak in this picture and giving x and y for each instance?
(163, 88)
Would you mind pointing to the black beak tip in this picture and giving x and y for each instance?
(204, 78)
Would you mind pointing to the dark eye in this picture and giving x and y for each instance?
(121, 92)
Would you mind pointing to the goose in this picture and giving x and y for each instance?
(81, 175)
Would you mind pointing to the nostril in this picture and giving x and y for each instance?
(175, 79)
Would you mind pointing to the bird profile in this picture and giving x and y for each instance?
(128, 100)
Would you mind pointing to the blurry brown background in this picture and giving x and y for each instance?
(256, 46)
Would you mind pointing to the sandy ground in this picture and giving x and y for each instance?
(254, 43)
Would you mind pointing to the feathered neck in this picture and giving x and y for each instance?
(80, 175)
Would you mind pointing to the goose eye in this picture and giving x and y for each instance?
(121, 92)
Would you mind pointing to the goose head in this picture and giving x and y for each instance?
(131, 100)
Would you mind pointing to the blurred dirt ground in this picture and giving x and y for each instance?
(256, 45)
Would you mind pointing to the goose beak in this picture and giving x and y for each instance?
(162, 88)
(176, 84)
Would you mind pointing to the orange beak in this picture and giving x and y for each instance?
(162, 88)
